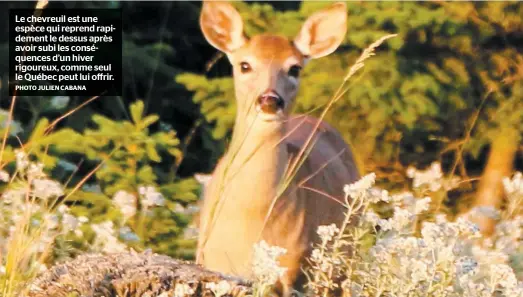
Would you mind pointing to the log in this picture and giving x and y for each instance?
(129, 274)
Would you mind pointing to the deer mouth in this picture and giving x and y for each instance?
(270, 106)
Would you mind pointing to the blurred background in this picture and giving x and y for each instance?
(447, 89)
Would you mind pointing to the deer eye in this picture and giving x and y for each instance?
(245, 67)
(294, 71)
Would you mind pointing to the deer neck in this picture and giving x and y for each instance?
(256, 160)
(253, 136)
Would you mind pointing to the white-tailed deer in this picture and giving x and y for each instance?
(250, 176)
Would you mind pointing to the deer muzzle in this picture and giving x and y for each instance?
(270, 102)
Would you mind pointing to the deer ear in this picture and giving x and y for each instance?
(323, 32)
(222, 26)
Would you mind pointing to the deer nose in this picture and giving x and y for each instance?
(270, 102)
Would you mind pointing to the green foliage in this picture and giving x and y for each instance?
(216, 97)
(127, 146)
(128, 155)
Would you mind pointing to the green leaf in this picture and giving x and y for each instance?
(148, 120)
(152, 153)
(137, 111)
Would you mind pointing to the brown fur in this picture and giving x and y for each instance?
(246, 180)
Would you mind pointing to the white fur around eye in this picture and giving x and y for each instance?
(292, 60)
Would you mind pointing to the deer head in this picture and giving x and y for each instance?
(266, 68)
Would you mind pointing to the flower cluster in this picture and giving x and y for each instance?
(219, 289)
(431, 178)
(150, 197)
(106, 239)
(265, 265)
(126, 202)
(402, 255)
(29, 212)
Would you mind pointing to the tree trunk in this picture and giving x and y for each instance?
(128, 275)
(499, 165)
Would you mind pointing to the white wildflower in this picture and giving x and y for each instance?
(503, 275)
(266, 268)
(515, 291)
(371, 217)
(441, 218)
(22, 160)
(81, 220)
(514, 186)
(432, 233)
(419, 270)
(467, 228)
(509, 235)
(4, 176)
(404, 198)
(378, 195)
(63, 208)
(42, 267)
(466, 266)
(44, 242)
(357, 189)
(485, 211)
(432, 177)
(35, 170)
(150, 196)
(30, 208)
(182, 290)
(14, 196)
(45, 188)
(51, 221)
(219, 289)
(126, 202)
(399, 220)
(356, 289)
(422, 205)
(488, 256)
(472, 288)
(316, 255)
(326, 233)
(105, 240)
(69, 222)
(178, 208)
(380, 253)
(411, 171)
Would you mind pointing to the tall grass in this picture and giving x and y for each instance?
(33, 215)
(30, 206)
